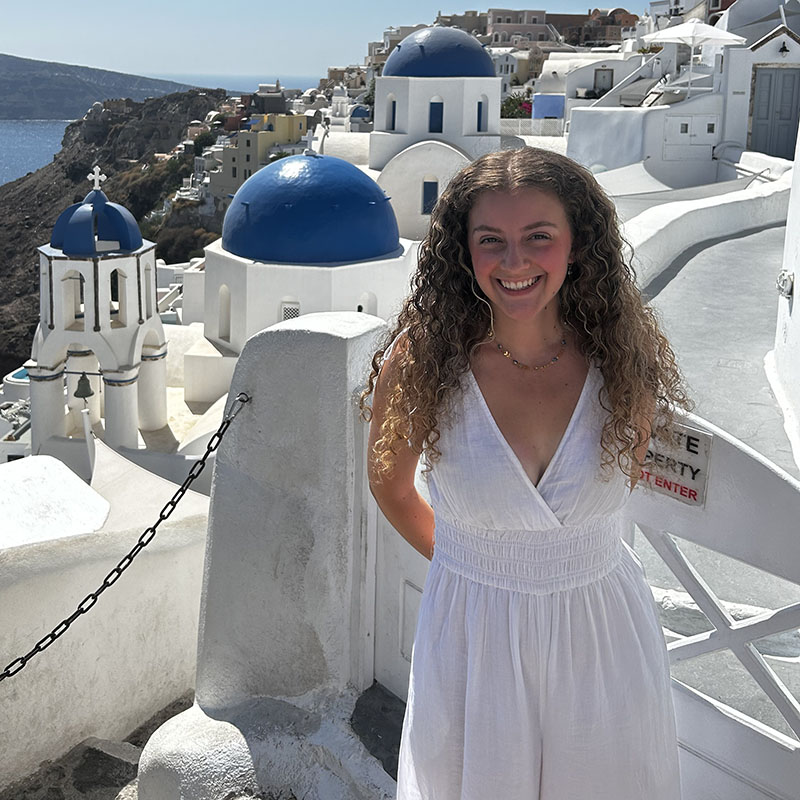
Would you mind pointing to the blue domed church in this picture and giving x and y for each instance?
(437, 107)
(306, 233)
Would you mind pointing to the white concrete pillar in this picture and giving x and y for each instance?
(80, 361)
(121, 407)
(283, 494)
(153, 390)
(787, 337)
(48, 412)
(286, 612)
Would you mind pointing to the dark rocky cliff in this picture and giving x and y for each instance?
(122, 144)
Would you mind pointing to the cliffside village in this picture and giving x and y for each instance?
(256, 128)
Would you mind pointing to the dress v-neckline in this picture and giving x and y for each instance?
(535, 488)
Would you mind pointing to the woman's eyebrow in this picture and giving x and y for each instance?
(539, 224)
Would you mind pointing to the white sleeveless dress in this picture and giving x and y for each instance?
(539, 669)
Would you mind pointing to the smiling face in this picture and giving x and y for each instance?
(520, 244)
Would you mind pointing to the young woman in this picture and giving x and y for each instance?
(528, 374)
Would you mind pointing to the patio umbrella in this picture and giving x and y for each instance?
(693, 33)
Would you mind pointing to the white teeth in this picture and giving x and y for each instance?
(519, 284)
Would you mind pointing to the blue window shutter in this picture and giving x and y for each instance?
(436, 118)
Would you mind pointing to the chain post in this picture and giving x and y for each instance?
(146, 537)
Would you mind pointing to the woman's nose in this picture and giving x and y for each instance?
(515, 256)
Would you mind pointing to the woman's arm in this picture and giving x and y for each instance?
(395, 493)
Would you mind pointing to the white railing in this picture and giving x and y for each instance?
(165, 302)
(532, 127)
(750, 519)
(611, 97)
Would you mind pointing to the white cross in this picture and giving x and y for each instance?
(96, 177)
(309, 137)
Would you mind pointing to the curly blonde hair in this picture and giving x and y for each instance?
(447, 316)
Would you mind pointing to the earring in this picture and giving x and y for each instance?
(485, 302)
(570, 268)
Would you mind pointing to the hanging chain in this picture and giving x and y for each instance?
(149, 534)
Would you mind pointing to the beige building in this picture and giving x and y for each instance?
(268, 134)
(378, 52)
(507, 26)
(473, 22)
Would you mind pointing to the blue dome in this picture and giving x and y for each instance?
(83, 226)
(439, 53)
(310, 209)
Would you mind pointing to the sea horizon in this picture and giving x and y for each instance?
(239, 82)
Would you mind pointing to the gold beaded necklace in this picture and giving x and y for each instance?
(504, 351)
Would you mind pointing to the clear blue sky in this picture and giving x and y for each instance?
(225, 37)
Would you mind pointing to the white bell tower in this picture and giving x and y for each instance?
(99, 317)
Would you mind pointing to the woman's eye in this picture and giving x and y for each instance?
(540, 236)
(488, 240)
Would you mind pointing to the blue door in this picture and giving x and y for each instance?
(776, 111)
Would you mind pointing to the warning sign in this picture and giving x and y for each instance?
(679, 468)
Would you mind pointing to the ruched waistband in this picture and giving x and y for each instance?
(530, 561)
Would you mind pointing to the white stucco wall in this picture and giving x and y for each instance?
(193, 297)
(133, 653)
(459, 127)
(607, 138)
(258, 289)
(663, 232)
(403, 176)
(787, 337)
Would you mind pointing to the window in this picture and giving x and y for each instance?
(247, 157)
(430, 194)
(224, 325)
(480, 115)
(233, 172)
(118, 310)
(247, 142)
(497, 37)
(710, 127)
(391, 113)
(436, 116)
(684, 127)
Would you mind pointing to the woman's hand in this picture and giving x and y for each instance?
(395, 492)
